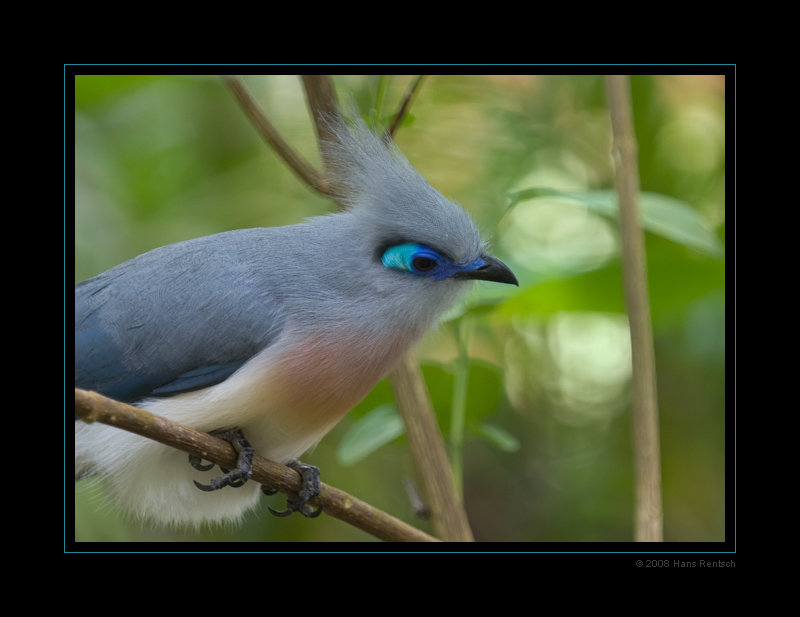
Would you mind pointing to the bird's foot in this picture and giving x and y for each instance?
(244, 466)
(310, 475)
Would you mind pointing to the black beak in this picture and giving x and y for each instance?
(492, 270)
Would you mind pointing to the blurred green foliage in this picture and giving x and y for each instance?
(544, 371)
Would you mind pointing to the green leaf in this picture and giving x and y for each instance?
(375, 429)
(601, 290)
(661, 214)
(500, 437)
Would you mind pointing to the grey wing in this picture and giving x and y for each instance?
(177, 319)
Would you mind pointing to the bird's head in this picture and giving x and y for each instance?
(413, 230)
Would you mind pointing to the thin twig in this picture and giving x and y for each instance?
(270, 134)
(322, 103)
(321, 96)
(447, 513)
(649, 516)
(93, 407)
(404, 106)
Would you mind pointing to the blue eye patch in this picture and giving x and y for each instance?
(422, 260)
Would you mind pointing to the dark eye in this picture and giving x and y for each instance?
(423, 264)
(414, 258)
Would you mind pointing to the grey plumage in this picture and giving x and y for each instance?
(277, 331)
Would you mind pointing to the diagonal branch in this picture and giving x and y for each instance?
(93, 407)
(407, 99)
(427, 447)
(321, 97)
(270, 134)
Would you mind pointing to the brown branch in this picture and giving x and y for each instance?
(647, 455)
(270, 134)
(447, 513)
(321, 97)
(404, 106)
(93, 407)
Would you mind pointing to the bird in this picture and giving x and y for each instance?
(268, 336)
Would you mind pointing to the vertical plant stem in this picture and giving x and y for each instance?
(647, 454)
(382, 83)
(425, 441)
(458, 409)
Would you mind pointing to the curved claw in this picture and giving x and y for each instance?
(196, 462)
(238, 476)
(311, 488)
(234, 483)
(309, 512)
(234, 479)
(282, 513)
(205, 487)
(291, 508)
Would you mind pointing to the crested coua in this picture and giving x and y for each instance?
(268, 336)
